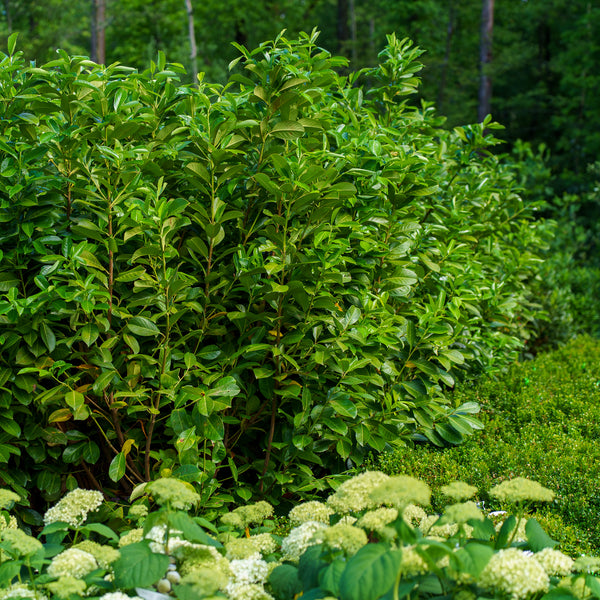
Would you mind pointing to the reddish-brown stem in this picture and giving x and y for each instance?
(111, 269)
(270, 441)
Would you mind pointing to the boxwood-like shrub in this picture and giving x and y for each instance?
(540, 421)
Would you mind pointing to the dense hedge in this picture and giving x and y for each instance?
(251, 283)
(541, 421)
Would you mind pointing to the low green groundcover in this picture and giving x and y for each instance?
(541, 420)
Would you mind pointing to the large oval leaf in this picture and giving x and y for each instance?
(142, 326)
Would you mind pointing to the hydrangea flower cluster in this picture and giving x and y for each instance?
(72, 562)
(310, 511)
(348, 538)
(177, 494)
(19, 542)
(354, 495)
(104, 555)
(67, 586)
(299, 539)
(20, 591)
(244, 516)
(74, 507)
(462, 512)
(521, 489)
(459, 490)
(400, 491)
(245, 547)
(378, 519)
(8, 499)
(414, 515)
(555, 562)
(412, 563)
(514, 573)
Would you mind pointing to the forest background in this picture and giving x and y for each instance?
(541, 67)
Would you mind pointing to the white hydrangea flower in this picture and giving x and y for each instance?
(299, 539)
(434, 530)
(245, 547)
(354, 495)
(72, 562)
(376, 520)
(412, 563)
(118, 596)
(310, 511)
(249, 570)
(555, 562)
(157, 536)
(347, 520)
(514, 573)
(20, 591)
(131, 537)
(343, 536)
(265, 542)
(247, 591)
(74, 507)
(10, 524)
(414, 515)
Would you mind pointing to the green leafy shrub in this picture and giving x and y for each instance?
(371, 539)
(540, 420)
(569, 281)
(246, 284)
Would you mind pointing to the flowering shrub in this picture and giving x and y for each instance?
(383, 545)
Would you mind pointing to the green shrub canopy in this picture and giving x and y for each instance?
(251, 283)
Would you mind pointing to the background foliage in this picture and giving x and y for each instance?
(251, 283)
(544, 67)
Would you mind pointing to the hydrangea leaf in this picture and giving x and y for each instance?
(370, 573)
(284, 582)
(537, 538)
(138, 566)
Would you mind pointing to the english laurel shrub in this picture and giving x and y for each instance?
(250, 283)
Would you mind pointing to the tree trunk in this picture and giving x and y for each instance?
(352, 8)
(98, 49)
(446, 63)
(372, 47)
(343, 32)
(8, 16)
(192, 36)
(485, 59)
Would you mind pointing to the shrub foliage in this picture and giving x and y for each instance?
(253, 282)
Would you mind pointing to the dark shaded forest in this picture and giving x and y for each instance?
(539, 58)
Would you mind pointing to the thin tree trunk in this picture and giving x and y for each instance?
(8, 16)
(192, 36)
(352, 8)
(98, 49)
(446, 63)
(343, 34)
(485, 59)
(372, 47)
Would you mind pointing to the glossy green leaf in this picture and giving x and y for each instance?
(117, 467)
(142, 326)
